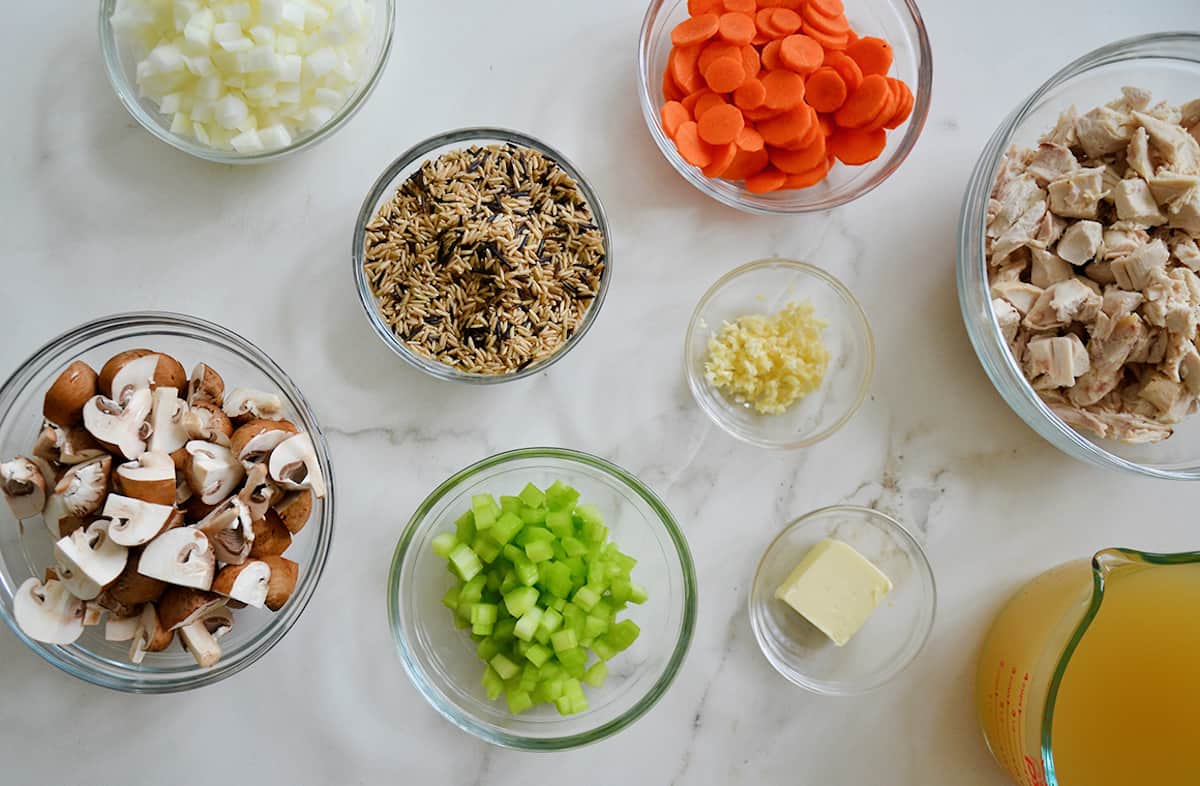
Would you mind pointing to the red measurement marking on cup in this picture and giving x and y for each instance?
(1034, 769)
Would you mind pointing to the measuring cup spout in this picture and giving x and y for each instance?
(1106, 562)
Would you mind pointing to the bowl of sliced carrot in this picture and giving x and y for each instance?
(784, 106)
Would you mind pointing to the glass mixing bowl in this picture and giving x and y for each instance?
(441, 660)
(27, 550)
(898, 21)
(1168, 64)
(120, 61)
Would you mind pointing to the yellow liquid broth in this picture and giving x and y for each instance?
(1128, 709)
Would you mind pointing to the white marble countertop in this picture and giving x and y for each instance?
(99, 217)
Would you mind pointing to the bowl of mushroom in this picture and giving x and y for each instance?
(1079, 254)
(164, 528)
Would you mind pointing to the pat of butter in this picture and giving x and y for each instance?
(835, 588)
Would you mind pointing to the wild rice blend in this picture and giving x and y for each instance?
(486, 259)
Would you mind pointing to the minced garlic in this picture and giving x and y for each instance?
(769, 362)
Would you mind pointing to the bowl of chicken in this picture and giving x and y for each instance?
(1079, 253)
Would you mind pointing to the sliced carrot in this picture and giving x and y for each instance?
(885, 113)
(854, 146)
(714, 51)
(828, 7)
(741, 6)
(785, 89)
(673, 115)
(695, 30)
(793, 162)
(749, 139)
(760, 114)
(801, 54)
(762, 20)
(788, 127)
(904, 110)
(737, 28)
(873, 55)
(725, 75)
(785, 21)
(806, 139)
(795, 5)
(825, 90)
(708, 100)
(761, 39)
(701, 7)
(826, 40)
(864, 103)
(751, 61)
(847, 69)
(827, 125)
(809, 178)
(750, 95)
(694, 150)
(766, 181)
(723, 156)
(683, 62)
(833, 25)
(671, 91)
(721, 125)
(747, 163)
(770, 56)
(689, 101)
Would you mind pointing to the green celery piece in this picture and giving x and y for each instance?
(551, 621)
(519, 647)
(531, 534)
(510, 504)
(594, 626)
(506, 527)
(561, 496)
(559, 551)
(528, 624)
(556, 578)
(557, 603)
(589, 515)
(573, 688)
(532, 496)
(518, 701)
(624, 562)
(482, 628)
(577, 566)
(574, 547)
(532, 515)
(623, 634)
(586, 644)
(525, 570)
(586, 598)
(487, 649)
(638, 595)
(492, 683)
(483, 613)
(603, 610)
(450, 599)
(459, 622)
(539, 551)
(550, 671)
(563, 705)
(579, 705)
(464, 528)
(485, 509)
(444, 543)
(574, 661)
(486, 548)
(541, 635)
(520, 600)
(472, 591)
(559, 522)
(620, 589)
(572, 613)
(563, 640)
(509, 582)
(529, 677)
(465, 561)
(538, 654)
(492, 582)
(594, 533)
(512, 553)
(504, 667)
(604, 650)
(598, 576)
(552, 689)
(503, 632)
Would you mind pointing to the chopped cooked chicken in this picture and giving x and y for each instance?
(1189, 113)
(1136, 204)
(1178, 148)
(1138, 154)
(1020, 294)
(1052, 162)
(1108, 354)
(1048, 231)
(1055, 362)
(1104, 130)
(1080, 242)
(1049, 268)
(1063, 132)
(1020, 234)
(1078, 194)
(1171, 189)
(1063, 303)
(1122, 238)
(1132, 271)
(1185, 250)
(1011, 201)
(1100, 272)
(1185, 213)
(1007, 317)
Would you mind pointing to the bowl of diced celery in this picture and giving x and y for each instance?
(542, 599)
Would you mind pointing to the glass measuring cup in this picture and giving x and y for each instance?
(1087, 676)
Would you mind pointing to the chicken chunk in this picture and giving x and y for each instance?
(1048, 268)
(1063, 133)
(1020, 234)
(1186, 252)
(1078, 194)
(1185, 213)
(1132, 271)
(1171, 189)
(1052, 162)
(1138, 154)
(1080, 242)
(1104, 130)
(1055, 362)
(1022, 296)
(1178, 148)
(1063, 303)
(1007, 317)
(1123, 238)
(1119, 303)
(1136, 204)
(1108, 356)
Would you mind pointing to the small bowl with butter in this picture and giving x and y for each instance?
(779, 354)
(842, 601)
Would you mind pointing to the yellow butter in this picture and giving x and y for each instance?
(835, 588)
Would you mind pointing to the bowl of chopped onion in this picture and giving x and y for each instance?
(236, 82)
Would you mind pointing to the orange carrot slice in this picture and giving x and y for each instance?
(689, 102)
(747, 163)
(827, 125)
(788, 127)
(770, 56)
(750, 140)
(695, 30)
(766, 181)
(886, 112)
(751, 61)
(760, 114)
(721, 124)
(694, 150)
(833, 25)
(825, 90)
(904, 110)
(785, 89)
(855, 147)
(673, 115)
(701, 7)
(809, 178)
(741, 6)
(827, 41)
(805, 140)
(801, 53)
(725, 75)
(683, 62)
(793, 162)
(873, 55)
(714, 51)
(762, 20)
(723, 156)
(864, 104)
(829, 7)
(751, 95)
(708, 100)
(737, 28)
(847, 69)
(671, 91)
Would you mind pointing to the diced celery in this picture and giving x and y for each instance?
(638, 594)
(594, 533)
(577, 566)
(563, 705)
(532, 496)
(620, 589)
(512, 553)
(487, 548)
(573, 689)
(574, 661)
(604, 650)
(466, 563)
(556, 578)
(483, 613)
(528, 624)
(492, 683)
(492, 582)
(532, 534)
(552, 689)
(539, 551)
(623, 634)
(563, 640)
(509, 582)
(504, 667)
(624, 562)
(510, 504)
(551, 621)
(589, 515)
(464, 527)
(586, 598)
(506, 527)
(450, 599)
(503, 632)
(482, 628)
(443, 544)
(538, 654)
(533, 515)
(594, 626)
(559, 522)
(561, 496)
(520, 600)
(558, 603)
(529, 677)
(603, 610)
(488, 649)
(525, 570)
(519, 701)
(472, 591)
(574, 547)
(485, 509)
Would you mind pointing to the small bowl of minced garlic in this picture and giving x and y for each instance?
(779, 354)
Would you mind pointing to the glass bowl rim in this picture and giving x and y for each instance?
(504, 739)
(811, 271)
(753, 203)
(276, 627)
(386, 182)
(127, 95)
(986, 339)
(843, 688)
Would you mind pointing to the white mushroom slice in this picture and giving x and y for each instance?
(180, 606)
(180, 556)
(89, 559)
(121, 628)
(243, 401)
(205, 384)
(1063, 303)
(137, 374)
(200, 637)
(64, 400)
(1136, 204)
(259, 492)
(1078, 194)
(167, 433)
(1056, 362)
(24, 487)
(1049, 268)
(48, 612)
(149, 635)
(1080, 242)
(1132, 271)
(1172, 142)
(1103, 130)
(1007, 317)
(247, 582)
(284, 574)
(150, 478)
(294, 465)
(230, 531)
(212, 471)
(122, 428)
(134, 521)
(253, 442)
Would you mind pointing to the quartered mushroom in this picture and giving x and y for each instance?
(64, 400)
(180, 556)
(246, 404)
(271, 536)
(93, 613)
(48, 612)
(205, 384)
(167, 411)
(136, 522)
(200, 637)
(149, 478)
(121, 428)
(188, 612)
(139, 369)
(230, 530)
(284, 573)
(121, 628)
(150, 635)
(212, 471)
(258, 492)
(253, 442)
(294, 465)
(88, 560)
(131, 588)
(206, 421)
(294, 509)
(246, 583)
(70, 446)
(24, 487)
(80, 492)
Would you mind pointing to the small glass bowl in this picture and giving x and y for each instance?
(120, 61)
(26, 548)
(891, 638)
(441, 660)
(764, 287)
(396, 174)
(1168, 64)
(899, 21)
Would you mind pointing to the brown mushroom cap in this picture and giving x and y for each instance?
(294, 509)
(218, 423)
(284, 573)
(180, 605)
(132, 588)
(251, 429)
(169, 372)
(271, 536)
(205, 384)
(64, 400)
